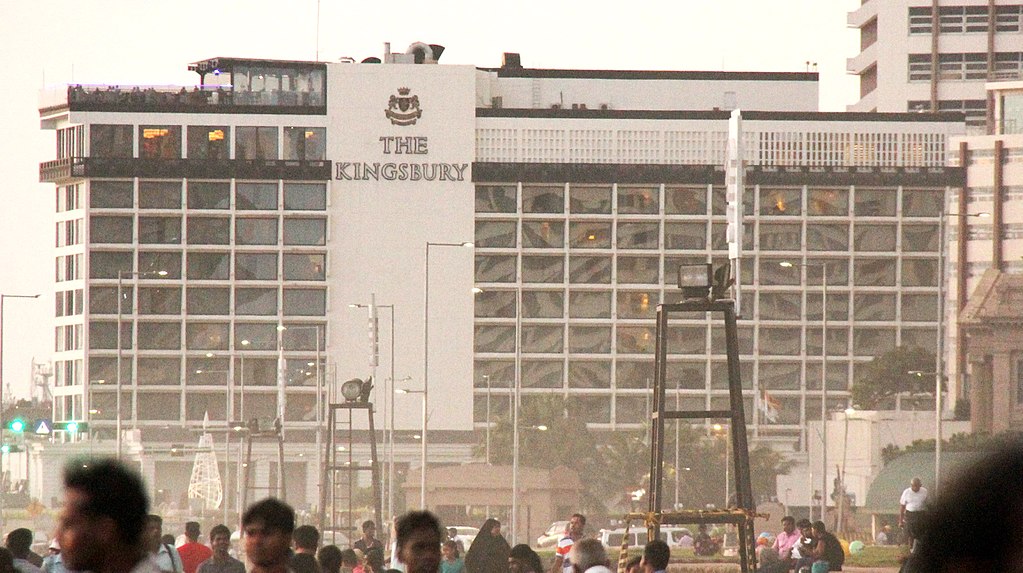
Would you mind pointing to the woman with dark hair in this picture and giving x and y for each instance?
(489, 550)
(522, 559)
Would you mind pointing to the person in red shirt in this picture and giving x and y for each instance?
(192, 552)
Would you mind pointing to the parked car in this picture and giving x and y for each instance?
(554, 533)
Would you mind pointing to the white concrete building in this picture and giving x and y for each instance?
(280, 193)
(919, 55)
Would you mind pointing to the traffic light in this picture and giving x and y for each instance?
(16, 425)
(71, 427)
(11, 448)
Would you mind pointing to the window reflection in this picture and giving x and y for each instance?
(160, 141)
(685, 200)
(543, 199)
(589, 235)
(160, 230)
(105, 194)
(305, 196)
(159, 194)
(209, 194)
(495, 234)
(638, 235)
(875, 202)
(637, 304)
(208, 336)
(305, 143)
(107, 264)
(639, 200)
(874, 272)
(590, 270)
(495, 304)
(494, 338)
(638, 270)
(305, 302)
(260, 196)
(110, 141)
(827, 202)
(920, 238)
(544, 339)
(159, 372)
(692, 236)
(780, 202)
(589, 374)
(255, 142)
(635, 340)
(543, 304)
(209, 142)
(543, 234)
(255, 266)
(874, 238)
(160, 300)
(208, 300)
(595, 200)
(304, 267)
(305, 231)
(827, 237)
(495, 268)
(255, 301)
(209, 230)
(542, 374)
(208, 266)
(105, 229)
(589, 304)
(922, 202)
(537, 269)
(256, 231)
(496, 198)
(159, 336)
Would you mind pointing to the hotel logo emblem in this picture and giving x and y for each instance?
(403, 109)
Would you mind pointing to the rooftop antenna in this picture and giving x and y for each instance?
(317, 30)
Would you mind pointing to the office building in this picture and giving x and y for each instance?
(277, 194)
(919, 55)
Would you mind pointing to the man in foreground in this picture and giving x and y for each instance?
(221, 561)
(103, 517)
(418, 537)
(268, 525)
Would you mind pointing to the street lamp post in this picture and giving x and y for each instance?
(487, 378)
(824, 377)
(120, 302)
(389, 414)
(426, 358)
(422, 437)
(515, 474)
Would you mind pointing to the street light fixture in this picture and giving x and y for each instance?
(120, 303)
(426, 356)
(824, 374)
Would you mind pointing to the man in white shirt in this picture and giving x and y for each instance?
(912, 506)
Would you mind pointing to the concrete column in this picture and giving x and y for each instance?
(980, 394)
(1002, 394)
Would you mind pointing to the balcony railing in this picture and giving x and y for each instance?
(194, 99)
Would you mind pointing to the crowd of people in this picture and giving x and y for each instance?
(105, 527)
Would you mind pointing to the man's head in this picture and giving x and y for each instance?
(19, 542)
(576, 525)
(105, 507)
(369, 529)
(375, 560)
(915, 484)
(220, 540)
(306, 538)
(788, 524)
(656, 555)
(329, 557)
(418, 536)
(587, 553)
(154, 532)
(268, 525)
(819, 528)
(452, 533)
(192, 531)
(349, 559)
(633, 565)
(804, 527)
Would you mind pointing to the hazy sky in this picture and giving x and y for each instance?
(132, 42)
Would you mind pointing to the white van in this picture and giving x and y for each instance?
(612, 538)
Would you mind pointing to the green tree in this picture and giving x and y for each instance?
(889, 374)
